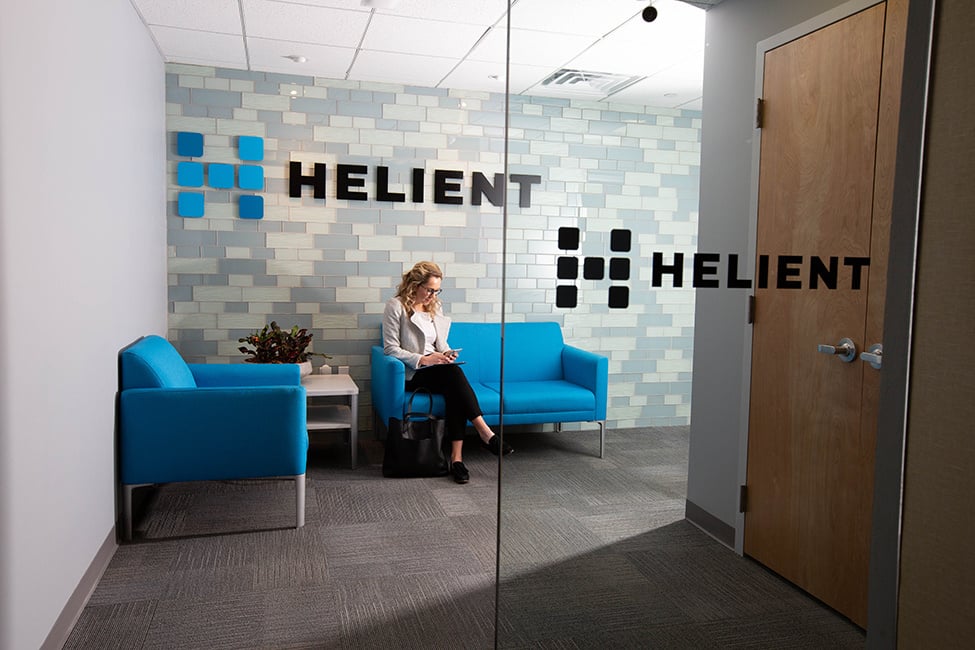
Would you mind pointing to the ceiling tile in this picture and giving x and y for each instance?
(677, 85)
(482, 12)
(203, 15)
(676, 22)
(352, 5)
(204, 48)
(415, 36)
(573, 16)
(410, 69)
(304, 23)
(322, 60)
(643, 48)
(476, 75)
(530, 47)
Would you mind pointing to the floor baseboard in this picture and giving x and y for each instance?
(76, 603)
(710, 524)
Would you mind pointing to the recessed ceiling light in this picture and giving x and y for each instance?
(297, 58)
(670, 94)
(380, 4)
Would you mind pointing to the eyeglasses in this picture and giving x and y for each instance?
(431, 292)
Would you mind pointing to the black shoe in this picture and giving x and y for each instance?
(495, 446)
(459, 472)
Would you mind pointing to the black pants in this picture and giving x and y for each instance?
(460, 401)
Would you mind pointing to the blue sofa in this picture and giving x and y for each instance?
(545, 380)
(206, 422)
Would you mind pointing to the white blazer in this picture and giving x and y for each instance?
(403, 339)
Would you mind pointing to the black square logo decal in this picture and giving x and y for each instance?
(593, 268)
(619, 268)
(565, 296)
(619, 297)
(619, 241)
(568, 268)
(568, 238)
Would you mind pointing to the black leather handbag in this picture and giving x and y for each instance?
(414, 445)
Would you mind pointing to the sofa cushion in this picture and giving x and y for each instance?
(482, 349)
(488, 398)
(533, 352)
(152, 362)
(556, 395)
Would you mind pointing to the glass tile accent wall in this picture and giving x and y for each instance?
(608, 172)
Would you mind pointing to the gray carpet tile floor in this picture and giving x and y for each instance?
(594, 553)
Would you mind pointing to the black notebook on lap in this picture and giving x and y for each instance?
(437, 365)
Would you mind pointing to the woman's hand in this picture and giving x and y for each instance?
(434, 358)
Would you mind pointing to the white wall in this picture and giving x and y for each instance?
(733, 30)
(82, 273)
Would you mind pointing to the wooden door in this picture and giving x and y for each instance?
(825, 168)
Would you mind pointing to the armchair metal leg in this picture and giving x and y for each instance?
(127, 508)
(602, 437)
(127, 511)
(300, 503)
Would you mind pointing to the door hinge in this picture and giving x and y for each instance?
(759, 112)
(751, 309)
(742, 498)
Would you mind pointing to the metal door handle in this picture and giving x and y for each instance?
(846, 350)
(874, 356)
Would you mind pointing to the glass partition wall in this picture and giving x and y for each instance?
(597, 184)
(615, 190)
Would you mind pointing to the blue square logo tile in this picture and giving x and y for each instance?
(189, 144)
(251, 207)
(250, 147)
(221, 175)
(189, 174)
(190, 204)
(250, 177)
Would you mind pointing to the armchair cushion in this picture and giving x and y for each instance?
(245, 374)
(152, 362)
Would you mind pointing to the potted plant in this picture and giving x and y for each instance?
(271, 344)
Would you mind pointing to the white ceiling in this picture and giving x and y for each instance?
(449, 43)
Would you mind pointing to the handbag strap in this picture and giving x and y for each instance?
(408, 408)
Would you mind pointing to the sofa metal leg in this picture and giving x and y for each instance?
(300, 502)
(602, 437)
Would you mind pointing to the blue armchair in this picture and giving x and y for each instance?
(202, 422)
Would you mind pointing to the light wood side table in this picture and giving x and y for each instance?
(331, 417)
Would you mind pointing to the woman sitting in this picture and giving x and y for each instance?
(415, 332)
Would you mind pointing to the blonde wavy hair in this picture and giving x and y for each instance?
(412, 279)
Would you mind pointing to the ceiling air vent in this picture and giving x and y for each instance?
(585, 83)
